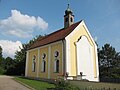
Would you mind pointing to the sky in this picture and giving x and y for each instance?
(22, 20)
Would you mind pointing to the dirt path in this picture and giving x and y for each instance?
(7, 83)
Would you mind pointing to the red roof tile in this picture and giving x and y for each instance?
(55, 36)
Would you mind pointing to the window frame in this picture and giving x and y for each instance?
(66, 19)
(43, 66)
(71, 19)
(56, 58)
(34, 63)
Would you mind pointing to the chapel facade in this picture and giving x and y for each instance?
(70, 50)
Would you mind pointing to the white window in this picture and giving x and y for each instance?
(33, 63)
(43, 68)
(56, 62)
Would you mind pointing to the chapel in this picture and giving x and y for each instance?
(70, 52)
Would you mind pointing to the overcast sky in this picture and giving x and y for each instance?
(21, 20)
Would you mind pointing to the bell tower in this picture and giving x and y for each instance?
(68, 17)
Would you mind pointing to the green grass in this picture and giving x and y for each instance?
(37, 85)
(84, 85)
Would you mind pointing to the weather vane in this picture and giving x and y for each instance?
(68, 3)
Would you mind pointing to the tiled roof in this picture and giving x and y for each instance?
(55, 36)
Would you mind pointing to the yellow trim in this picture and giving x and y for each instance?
(56, 47)
(49, 60)
(31, 54)
(43, 74)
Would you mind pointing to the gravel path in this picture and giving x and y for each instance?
(7, 83)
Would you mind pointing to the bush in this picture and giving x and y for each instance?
(61, 84)
(2, 71)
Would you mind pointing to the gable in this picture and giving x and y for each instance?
(71, 40)
(81, 30)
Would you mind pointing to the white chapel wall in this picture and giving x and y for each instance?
(85, 59)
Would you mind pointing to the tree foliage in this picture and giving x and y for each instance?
(109, 62)
(20, 58)
(0, 55)
(0, 52)
(19, 62)
(16, 66)
(2, 70)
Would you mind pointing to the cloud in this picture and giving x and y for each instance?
(21, 25)
(10, 47)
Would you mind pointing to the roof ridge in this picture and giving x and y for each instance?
(58, 30)
(55, 36)
(50, 34)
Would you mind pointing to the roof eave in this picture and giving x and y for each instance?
(45, 44)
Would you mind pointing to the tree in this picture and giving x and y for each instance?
(1, 60)
(8, 62)
(20, 58)
(109, 61)
(0, 55)
(0, 52)
(34, 40)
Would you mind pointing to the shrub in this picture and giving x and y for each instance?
(61, 84)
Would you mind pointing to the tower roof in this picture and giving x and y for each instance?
(68, 10)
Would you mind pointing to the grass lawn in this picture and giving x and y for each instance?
(83, 85)
(37, 85)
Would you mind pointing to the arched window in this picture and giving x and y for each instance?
(56, 62)
(56, 54)
(66, 19)
(43, 69)
(34, 63)
(56, 66)
(43, 65)
(71, 19)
